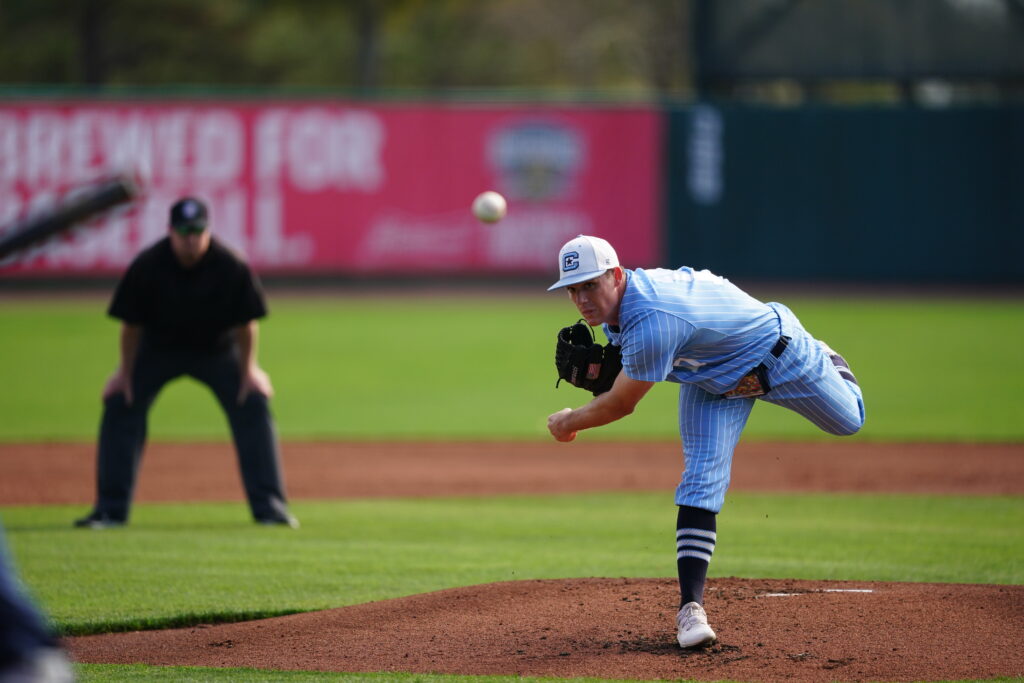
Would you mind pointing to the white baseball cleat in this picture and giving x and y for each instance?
(694, 631)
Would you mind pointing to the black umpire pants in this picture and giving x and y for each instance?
(123, 429)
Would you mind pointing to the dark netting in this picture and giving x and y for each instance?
(860, 39)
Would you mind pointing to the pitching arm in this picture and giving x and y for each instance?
(610, 406)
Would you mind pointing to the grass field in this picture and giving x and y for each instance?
(102, 672)
(198, 563)
(481, 368)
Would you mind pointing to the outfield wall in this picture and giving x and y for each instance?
(854, 194)
(326, 187)
(308, 187)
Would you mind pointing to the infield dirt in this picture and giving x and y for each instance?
(769, 630)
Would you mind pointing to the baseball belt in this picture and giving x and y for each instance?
(755, 383)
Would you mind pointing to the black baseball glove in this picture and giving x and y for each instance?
(583, 362)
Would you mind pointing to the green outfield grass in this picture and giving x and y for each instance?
(94, 673)
(482, 368)
(202, 563)
(191, 563)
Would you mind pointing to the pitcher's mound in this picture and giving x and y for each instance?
(768, 629)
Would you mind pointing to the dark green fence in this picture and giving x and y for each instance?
(847, 194)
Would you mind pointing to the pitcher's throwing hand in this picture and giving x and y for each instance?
(556, 425)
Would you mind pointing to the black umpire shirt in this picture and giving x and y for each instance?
(191, 309)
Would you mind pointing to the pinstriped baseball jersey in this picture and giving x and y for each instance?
(701, 331)
(691, 327)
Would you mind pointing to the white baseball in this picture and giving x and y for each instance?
(489, 207)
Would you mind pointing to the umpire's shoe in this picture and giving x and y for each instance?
(692, 623)
(282, 519)
(96, 520)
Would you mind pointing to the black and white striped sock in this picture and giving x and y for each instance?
(843, 367)
(695, 543)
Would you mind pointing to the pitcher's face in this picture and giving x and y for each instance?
(598, 300)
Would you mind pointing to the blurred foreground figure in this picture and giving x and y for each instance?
(189, 306)
(29, 652)
(725, 349)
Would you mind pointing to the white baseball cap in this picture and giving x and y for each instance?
(583, 258)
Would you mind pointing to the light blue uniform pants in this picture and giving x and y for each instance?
(803, 379)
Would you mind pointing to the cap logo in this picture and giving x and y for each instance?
(570, 261)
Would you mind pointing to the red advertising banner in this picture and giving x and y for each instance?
(321, 188)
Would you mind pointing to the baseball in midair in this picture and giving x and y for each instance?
(490, 207)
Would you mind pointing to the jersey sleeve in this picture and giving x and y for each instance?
(650, 344)
(128, 302)
(250, 303)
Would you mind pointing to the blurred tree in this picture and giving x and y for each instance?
(615, 45)
(784, 51)
(90, 52)
(38, 42)
(121, 42)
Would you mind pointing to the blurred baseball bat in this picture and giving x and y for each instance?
(83, 204)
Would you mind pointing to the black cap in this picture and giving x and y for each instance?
(188, 212)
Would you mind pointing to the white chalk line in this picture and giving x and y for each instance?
(824, 590)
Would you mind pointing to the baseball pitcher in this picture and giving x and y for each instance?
(724, 348)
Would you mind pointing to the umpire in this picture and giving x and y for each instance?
(188, 306)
